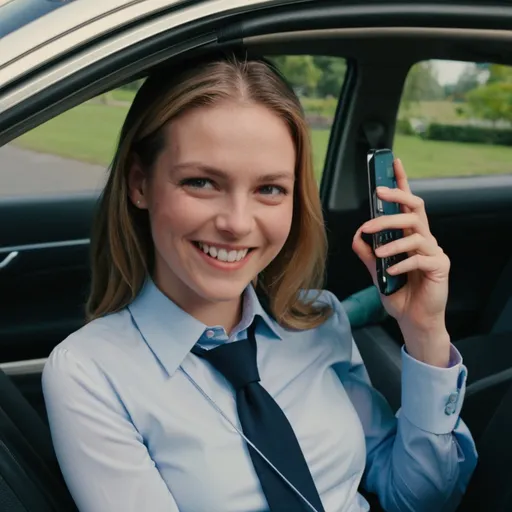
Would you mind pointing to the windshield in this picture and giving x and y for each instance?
(17, 13)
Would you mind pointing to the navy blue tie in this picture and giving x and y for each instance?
(265, 424)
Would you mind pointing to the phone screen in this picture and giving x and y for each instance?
(385, 177)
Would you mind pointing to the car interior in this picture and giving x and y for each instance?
(44, 238)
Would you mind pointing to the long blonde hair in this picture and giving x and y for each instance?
(121, 244)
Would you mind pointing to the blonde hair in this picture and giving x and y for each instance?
(121, 243)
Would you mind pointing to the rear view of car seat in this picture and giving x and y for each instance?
(497, 316)
(30, 479)
(490, 487)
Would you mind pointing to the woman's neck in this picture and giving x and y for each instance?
(226, 313)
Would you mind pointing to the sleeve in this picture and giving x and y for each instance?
(422, 459)
(104, 461)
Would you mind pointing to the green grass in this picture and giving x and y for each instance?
(89, 133)
(434, 159)
(319, 141)
(433, 111)
(122, 95)
(437, 159)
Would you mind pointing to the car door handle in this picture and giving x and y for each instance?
(11, 256)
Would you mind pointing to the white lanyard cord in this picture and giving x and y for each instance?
(248, 441)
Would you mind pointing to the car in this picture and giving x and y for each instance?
(372, 73)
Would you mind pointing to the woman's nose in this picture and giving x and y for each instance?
(236, 218)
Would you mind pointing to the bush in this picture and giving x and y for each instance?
(404, 127)
(319, 106)
(465, 133)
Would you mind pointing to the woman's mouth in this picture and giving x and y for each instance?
(222, 254)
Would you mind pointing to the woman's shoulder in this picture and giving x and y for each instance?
(95, 343)
(322, 298)
(335, 318)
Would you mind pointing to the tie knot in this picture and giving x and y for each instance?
(236, 361)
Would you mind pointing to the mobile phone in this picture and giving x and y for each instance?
(381, 173)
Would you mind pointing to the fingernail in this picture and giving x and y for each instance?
(381, 251)
(382, 189)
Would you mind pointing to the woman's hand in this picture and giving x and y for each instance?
(419, 307)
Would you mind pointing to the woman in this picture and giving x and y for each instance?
(210, 377)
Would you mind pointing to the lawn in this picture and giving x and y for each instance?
(89, 133)
(438, 111)
(436, 159)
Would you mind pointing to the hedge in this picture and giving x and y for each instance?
(404, 127)
(466, 133)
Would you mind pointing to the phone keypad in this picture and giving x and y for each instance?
(385, 237)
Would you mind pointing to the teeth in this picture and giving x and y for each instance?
(223, 254)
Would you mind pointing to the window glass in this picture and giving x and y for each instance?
(455, 119)
(72, 152)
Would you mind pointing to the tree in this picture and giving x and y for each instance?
(421, 84)
(300, 71)
(471, 77)
(333, 71)
(492, 101)
(499, 74)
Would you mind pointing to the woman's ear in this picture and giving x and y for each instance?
(137, 184)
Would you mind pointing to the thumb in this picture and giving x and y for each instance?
(365, 253)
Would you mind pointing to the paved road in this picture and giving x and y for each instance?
(24, 173)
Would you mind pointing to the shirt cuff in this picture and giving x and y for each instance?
(432, 397)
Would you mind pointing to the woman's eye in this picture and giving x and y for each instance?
(272, 190)
(201, 183)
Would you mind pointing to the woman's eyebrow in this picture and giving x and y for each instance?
(219, 173)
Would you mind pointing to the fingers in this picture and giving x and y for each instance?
(400, 176)
(436, 267)
(426, 246)
(396, 195)
(410, 221)
(365, 253)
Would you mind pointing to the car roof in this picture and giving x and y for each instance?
(15, 14)
(45, 23)
(61, 32)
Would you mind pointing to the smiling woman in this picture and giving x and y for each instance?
(212, 185)
(214, 373)
(201, 172)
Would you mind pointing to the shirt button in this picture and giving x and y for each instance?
(453, 397)
(210, 334)
(449, 409)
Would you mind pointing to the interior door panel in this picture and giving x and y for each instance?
(44, 284)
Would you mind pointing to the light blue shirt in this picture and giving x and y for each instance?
(132, 433)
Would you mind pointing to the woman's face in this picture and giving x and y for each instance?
(220, 200)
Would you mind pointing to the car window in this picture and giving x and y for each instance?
(455, 119)
(73, 151)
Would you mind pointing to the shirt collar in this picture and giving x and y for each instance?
(171, 333)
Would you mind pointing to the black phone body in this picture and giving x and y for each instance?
(381, 173)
